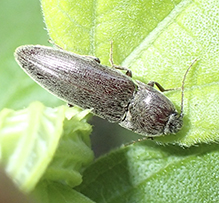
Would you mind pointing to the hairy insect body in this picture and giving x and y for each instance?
(83, 81)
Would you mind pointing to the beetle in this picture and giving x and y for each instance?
(112, 95)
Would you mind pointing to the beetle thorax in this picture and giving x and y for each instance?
(150, 113)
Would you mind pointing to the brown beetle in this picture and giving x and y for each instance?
(83, 81)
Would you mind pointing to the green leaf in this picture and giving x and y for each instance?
(158, 40)
(39, 141)
(146, 172)
(74, 151)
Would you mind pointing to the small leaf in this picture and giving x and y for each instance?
(158, 40)
(74, 151)
(31, 138)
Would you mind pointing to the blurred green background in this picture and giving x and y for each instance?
(22, 23)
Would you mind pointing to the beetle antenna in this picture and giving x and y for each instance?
(183, 86)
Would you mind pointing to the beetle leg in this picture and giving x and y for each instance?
(92, 58)
(128, 72)
(152, 83)
(70, 105)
